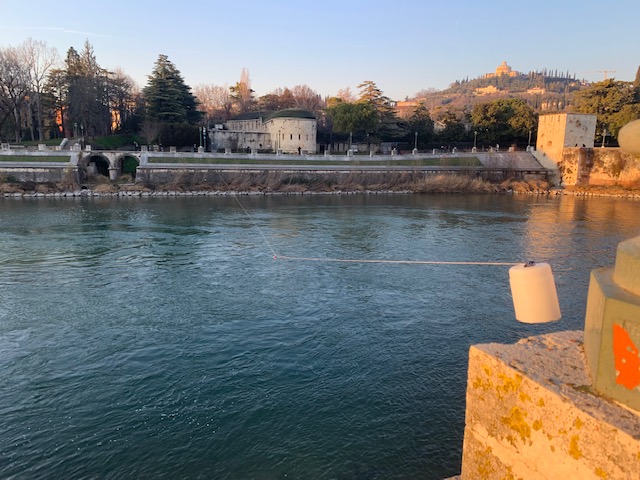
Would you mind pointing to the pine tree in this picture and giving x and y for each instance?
(167, 98)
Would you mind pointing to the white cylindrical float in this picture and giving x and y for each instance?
(534, 293)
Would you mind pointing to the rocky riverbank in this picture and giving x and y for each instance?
(431, 185)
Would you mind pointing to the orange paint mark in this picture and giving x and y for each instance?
(626, 358)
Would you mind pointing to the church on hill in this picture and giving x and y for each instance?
(502, 70)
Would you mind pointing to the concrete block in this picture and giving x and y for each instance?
(532, 414)
(612, 327)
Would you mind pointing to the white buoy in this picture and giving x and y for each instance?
(534, 293)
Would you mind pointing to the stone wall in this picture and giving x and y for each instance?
(598, 166)
(532, 414)
(42, 174)
(293, 135)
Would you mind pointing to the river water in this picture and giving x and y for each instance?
(159, 337)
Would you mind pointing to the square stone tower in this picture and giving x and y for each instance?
(560, 130)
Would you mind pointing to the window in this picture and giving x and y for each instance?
(298, 136)
(291, 137)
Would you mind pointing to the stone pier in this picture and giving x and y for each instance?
(563, 405)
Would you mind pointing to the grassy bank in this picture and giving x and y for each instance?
(294, 183)
(323, 161)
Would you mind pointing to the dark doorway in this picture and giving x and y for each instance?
(129, 165)
(98, 165)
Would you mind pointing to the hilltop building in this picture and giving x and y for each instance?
(287, 131)
(502, 69)
(488, 90)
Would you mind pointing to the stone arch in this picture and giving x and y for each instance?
(127, 164)
(96, 164)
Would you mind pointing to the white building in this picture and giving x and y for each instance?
(289, 131)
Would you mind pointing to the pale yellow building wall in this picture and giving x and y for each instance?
(291, 134)
(560, 130)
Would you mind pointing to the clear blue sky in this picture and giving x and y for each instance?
(403, 45)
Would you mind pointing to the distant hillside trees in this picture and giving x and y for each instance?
(504, 121)
(614, 102)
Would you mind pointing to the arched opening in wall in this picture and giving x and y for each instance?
(128, 165)
(97, 165)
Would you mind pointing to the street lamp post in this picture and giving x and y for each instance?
(529, 142)
(475, 140)
(416, 142)
(350, 139)
(604, 136)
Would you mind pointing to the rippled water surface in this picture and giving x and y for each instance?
(159, 338)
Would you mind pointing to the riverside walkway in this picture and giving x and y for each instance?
(43, 165)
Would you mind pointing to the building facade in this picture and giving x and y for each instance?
(502, 69)
(287, 131)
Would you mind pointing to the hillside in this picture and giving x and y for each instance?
(543, 90)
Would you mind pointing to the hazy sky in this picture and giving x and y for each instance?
(402, 45)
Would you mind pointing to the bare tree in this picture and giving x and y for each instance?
(14, 85)
(39, 60)
(123, 96)
(346, 95)
(150, 130)
(307, 99)
(215, 101)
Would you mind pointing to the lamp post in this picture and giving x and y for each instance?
(350, 139)
(475, 140)
(529, 142)
(604, 136)
(416, 142)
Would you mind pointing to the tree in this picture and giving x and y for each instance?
(346, 95)
(167, 99)
(279, 99)
(453, 125)
(421, 123)
(385, 122)
(504, 120)
(14, 86)
(214, 101)
(307, 99)
(614, 102)
(123, 99)
(40, 60)
(85, 94)
(242, 94)
(356, 118)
